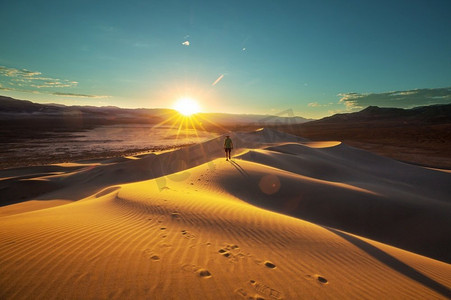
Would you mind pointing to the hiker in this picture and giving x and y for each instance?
(228, 146)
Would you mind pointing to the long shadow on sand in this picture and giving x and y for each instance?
(394, 263)
(239, 168)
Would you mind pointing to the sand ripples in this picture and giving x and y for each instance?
(205, 238)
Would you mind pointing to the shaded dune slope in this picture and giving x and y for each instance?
(354, 190)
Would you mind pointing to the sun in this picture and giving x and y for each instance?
(186, 106)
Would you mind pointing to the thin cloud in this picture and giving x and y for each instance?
(218, 79)
(400, 99)
(52, 84)
(316, 104)
(8, 89)
(12, 77)
(78, 95)
(23, 80)
(2, 88)
(20, 73)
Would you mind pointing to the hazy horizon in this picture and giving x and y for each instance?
(286, 113)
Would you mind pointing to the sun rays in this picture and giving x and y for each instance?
(185, 120)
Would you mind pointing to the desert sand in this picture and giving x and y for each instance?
(287, 218)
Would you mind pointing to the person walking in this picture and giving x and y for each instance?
(228, 146)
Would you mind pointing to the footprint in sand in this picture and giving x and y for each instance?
(150, 254)
(266, 263)
(265, 290)
(204, 273)
(175, 216)
(233, 253)
(188, 235)
(224, 252)
(270, 265)
(321, 279)
(228, 248)
(247, 295)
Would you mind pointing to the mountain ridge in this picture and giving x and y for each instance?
(430, 113)
(13, 108)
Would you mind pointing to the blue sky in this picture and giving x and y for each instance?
(270, 56)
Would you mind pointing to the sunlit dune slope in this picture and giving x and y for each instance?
(188, 224)
(195, 239)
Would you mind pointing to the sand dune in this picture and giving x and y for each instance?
(187, 224)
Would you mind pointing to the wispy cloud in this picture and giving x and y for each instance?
(316, 104)
(218, 79)
(9, 89)
(22, 77)
(401, 99)
(23, 80)
(78, 95)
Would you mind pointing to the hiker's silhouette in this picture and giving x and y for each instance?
(228, 146)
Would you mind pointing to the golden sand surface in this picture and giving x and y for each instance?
(188, 224)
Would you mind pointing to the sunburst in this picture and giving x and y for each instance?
(187, 106)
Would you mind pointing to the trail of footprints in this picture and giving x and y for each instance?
(254, 290)
(159, 222)
(234, 253)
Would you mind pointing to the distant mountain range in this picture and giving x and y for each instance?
(427, 114)
(16, 110)
(420, 135)
(13, 109)
(252, 119)
(376, 121)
